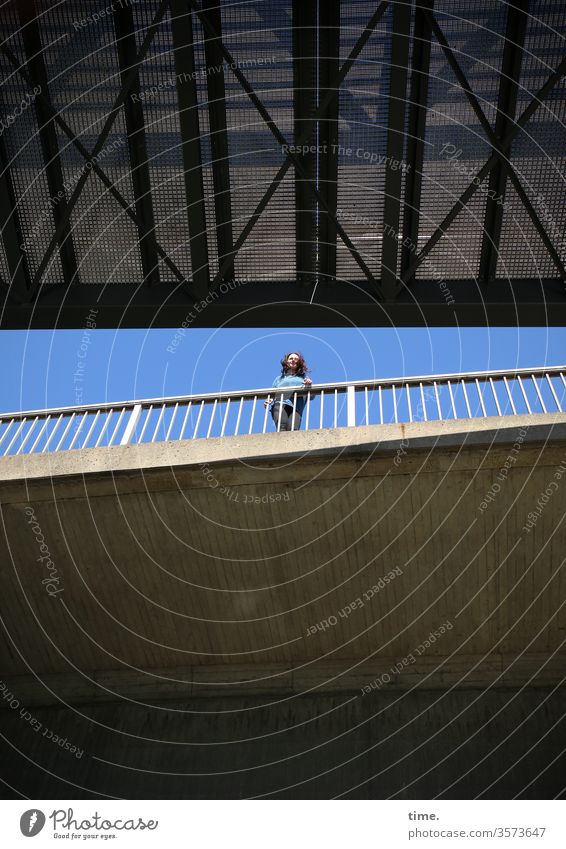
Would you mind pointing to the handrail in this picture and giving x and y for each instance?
(396, 400)
(539, 371)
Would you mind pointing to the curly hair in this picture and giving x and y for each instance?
(302, 367)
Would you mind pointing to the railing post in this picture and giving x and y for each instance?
(131, 426)
(351, 405)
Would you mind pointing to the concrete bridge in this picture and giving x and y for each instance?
(368, 611)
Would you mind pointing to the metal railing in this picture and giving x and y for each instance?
(345, 404)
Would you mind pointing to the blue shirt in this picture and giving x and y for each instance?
(290, 380)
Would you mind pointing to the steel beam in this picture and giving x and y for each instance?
(100, 142)
(294, 159)
(213, 51)
(506, 106)
(53, 169)
(329, 53)
(112, 190)
(261, 304)
(20, 283)
(395, 145)
(183, 46)
(416, 129)
(135, 128)
(304, 103)
(502, 155)
(468, 193)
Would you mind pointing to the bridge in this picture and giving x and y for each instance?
(290, 163)
(197, 606)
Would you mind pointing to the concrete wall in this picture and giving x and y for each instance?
(142, 679)
(420, 745)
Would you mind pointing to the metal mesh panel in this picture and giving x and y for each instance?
(362, 138)
(455, 143)
(522, 252)
(4, 270)
(84, 84)
(205, 146)
(84, 80)
(25, 156)
(105, 238)
(538, 153)
(158, 91)
(259, 37)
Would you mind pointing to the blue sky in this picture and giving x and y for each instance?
(72, 367)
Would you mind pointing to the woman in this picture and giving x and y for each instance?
(287, 415)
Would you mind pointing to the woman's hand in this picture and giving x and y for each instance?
(267, 401)
(307, 381)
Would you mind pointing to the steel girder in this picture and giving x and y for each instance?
(379, 295)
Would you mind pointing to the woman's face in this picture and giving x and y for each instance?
(293, 361)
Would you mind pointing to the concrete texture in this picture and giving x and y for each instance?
(374, 438)
(460, 744)
(190, 587)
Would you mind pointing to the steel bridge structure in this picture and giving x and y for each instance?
(299, 163)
